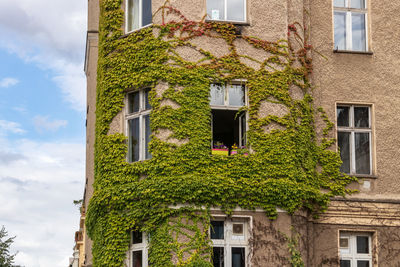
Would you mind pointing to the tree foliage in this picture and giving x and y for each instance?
(6, 258)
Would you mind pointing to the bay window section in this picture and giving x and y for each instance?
(350, 25)
(138, 125)
(138, 14)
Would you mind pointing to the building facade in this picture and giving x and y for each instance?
(242, 133)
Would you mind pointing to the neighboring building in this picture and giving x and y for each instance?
(185, 90)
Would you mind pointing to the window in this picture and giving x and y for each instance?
(230, 241)
(138, 249)
(138, 14)
(354, 138)
(350, 19)
(228, 122)
(355, 250)
(227, 10)
(138, 124)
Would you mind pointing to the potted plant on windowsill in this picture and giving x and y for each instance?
(220, 149)
(241, 151)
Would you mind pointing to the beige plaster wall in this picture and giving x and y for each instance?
(366, 79)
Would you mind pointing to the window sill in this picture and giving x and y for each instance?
(238, 23)
(353, 52)
(135, 30)
(365, 176)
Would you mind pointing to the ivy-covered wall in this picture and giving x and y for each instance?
(172, 193)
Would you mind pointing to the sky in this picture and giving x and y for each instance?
(42, 126)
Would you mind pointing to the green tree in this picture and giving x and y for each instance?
(6, 259)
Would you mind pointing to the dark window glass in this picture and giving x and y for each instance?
(238, 257)
(362, 153)
(146, 99)
(344, 146)
(147, 135)
(146, 12)
(137, 258)
(137, 237)
(345, 263)
(243, 129)
(362, 245)
(133, 139)
(343, 116)
(361, 117)
(217, 230)
(362, 263)
(133, 102)
(218, 257)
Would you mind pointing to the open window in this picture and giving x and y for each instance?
(228, 119)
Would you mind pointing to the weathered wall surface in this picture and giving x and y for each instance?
(365, 79)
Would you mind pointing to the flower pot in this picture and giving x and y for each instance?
(220, 151)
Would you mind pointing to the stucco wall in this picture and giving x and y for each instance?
(365, 79)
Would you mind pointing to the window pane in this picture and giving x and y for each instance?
(137, 237)
(238, 257)
(345, 263)
(217, 94)
(339, 3)
(133, 139)
(344, 146)
(235, 9)
(236, 95)
(146, 12)
(218, 257)
(340, 30)
(133, 102)
(362, 263)
(343, 116)
(362, 153)
(358, 31)
(147, 136)
(362, 244)
(146, 99)
(357, 4)
(217, 230)
(137, 258)
(133, 15)
(215, 9)
(361, 117)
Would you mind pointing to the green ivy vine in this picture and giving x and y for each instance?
(170, 195)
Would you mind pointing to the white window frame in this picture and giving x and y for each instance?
(142, 127)
(139, 247)
(349, 30)
(352, 130)
(226, 106)
(351, 253)
(230, 241)
(225, 18)
(140, 17)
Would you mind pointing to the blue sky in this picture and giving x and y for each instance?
(42, 126)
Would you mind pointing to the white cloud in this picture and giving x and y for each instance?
(38, 187)
(8, 82)
(50, 34)
(43, 123)
(10, 126)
